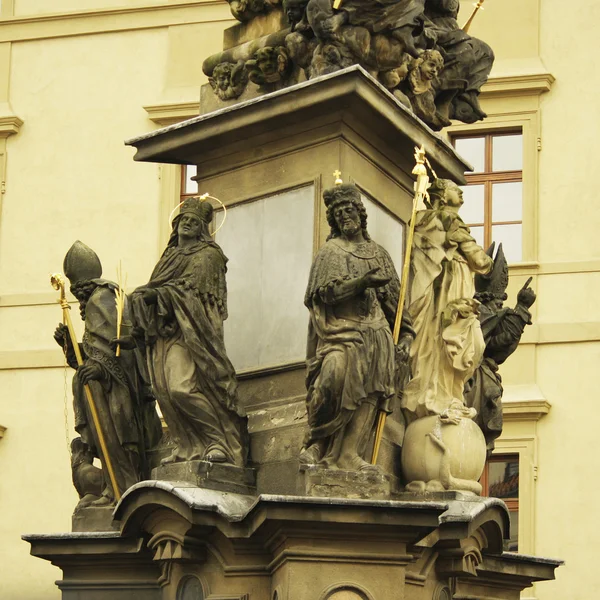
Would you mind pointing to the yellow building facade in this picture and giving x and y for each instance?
(77, 78)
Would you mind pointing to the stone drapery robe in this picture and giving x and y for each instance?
(443, 357)
(127, 416)
(350, 351)
(192, 376)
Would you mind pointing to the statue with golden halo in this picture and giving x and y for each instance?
(178, 318)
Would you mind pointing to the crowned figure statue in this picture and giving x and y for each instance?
(352, 296)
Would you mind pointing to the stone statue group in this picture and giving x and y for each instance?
(414, 48)
(440, 380)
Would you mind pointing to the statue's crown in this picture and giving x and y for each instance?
(81, 263)
(343, 192)
(201, 208)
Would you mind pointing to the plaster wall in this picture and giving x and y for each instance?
(41, 7)
(69, 176)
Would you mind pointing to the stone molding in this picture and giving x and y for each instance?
(523, 84)
(174, 112)
(149, 16)
(10, 125)
(2, 431)
(215, 536)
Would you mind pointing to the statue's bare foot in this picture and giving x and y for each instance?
(356, 463)
(216, 456)
(86, 501)
(173, 457)
(102, 501)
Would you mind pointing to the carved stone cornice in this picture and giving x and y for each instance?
(9, 125)
(522, 84)
(173, 112)
(524, 403)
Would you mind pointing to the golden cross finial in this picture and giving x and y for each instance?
(338, 177)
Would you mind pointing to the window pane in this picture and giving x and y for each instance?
(504, 478)
(267, 273)
(191, 187)
(478, 234)
(472, 210)
(507, 201)
(511, 238)
(386, 230)
(473, 150)
(507, 153)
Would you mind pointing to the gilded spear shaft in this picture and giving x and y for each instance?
(420, 187)
(58, 284)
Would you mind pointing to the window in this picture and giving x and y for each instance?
(500, 479)
(189, 187)
(493, 196)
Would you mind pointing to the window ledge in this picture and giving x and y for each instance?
(524, 403)
(2, 430)
(170, 113)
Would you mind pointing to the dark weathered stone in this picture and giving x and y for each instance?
(94, 518)
(330, 483)
(502, 330)
(303, 548)
(119, 388)
(213, 476)
(352, 296)
(178, 318)
(389, 39)
(308, 113)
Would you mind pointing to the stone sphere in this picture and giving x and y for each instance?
(422, 457)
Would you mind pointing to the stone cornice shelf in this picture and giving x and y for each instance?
(524, 403)
(524, 84)
(349, 98)
(9, 125)
(2, 430)
(172, 112)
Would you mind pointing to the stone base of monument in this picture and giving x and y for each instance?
(94, 518)
(212, 476)
(182, 542)
(336, 483)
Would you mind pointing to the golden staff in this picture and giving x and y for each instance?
(58, 283)
(478, 5)
(420, 187)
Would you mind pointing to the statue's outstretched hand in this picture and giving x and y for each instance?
(526, 295)
(90, 371)
(374, 278)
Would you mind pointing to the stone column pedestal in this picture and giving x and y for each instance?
(187, 543)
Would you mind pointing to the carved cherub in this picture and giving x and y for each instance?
(419, 88)
(269, 65)
(229, 80)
